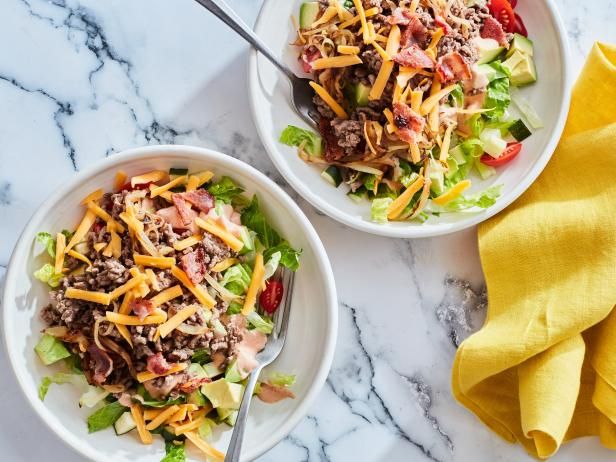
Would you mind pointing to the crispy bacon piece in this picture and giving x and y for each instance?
(157, 364)
(413, 30)
(193, 264)
(100, 362)
(172, 216)
(269, 393)
(414, 57)
(142, 307)
(400, 16)
(183, 209)
(453, 67)
(200, 198)
(409, 123)
(308, 57)
(333, 152)
(492, 29)
(440, 22)
(192, 384)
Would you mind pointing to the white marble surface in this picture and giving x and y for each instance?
(80, 79)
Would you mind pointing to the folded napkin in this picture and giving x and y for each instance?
(542, 370)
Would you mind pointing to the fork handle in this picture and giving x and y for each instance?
(223, 12)
(235, 446)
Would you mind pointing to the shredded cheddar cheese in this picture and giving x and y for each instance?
(400, 203)
(255, 284)
(188, 242)
(78, 256)
(80, 233)
(175, 320)
(157, 191)
(89, 296)
(348, 50)
(119, 180)
(355, 19)
(455, 192)
(60, 246)
(166, 295)
(162, 417)
(150, 177)
(197, 290)
(144, 434)
(213, 228)
(93, 196)
(156, 262)
(208, 450)
(147, 375)
(329, 100)
(329, 14)
(128, 285)
(103, 215)
(445, 145)
(129, 320)
(336, 62)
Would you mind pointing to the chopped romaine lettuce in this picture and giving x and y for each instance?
(260, 322)
(50, 350)
(253, 218)
(483, 200)
(271, 265)
(457, 96)
(234, 308)
(378, 210)
(236, 279)
(105, 417)
(93, 396)
(525, 108)
(294, 136)
(201, 356)
(59, 378)
(281, 380)
(174, 452)
(46, 273)
(225, 190)
(497, 93)
(47, 241)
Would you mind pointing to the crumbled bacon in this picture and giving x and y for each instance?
(400, 16)
(192, 384)
(193, 264)
(308, 57)
(453, 67)
(414, 57)
(182, 208)
(157, 364)
(440, 22)
(200, 198)
(493, 29)
(415, 33)
(103, 365)
(142, 307)
(409, 123)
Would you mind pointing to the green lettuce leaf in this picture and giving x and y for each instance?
(46, 273)
(261, 323)
(50, 350)
(47, 241)
(174, 452)
(483, 200)
(457, 96)
(294, 136)
(201, 356)
(225, 190)
(59, 378)
(205, 430)
(497, 93)
(236, 279)
(281, 380)
(105, 417)
(234, 308)
(378, 210)
(253, 218)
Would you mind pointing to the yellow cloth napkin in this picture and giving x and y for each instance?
(542, 370)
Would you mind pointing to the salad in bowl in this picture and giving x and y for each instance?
(161, 298)
(414, 100)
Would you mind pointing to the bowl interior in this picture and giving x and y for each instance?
(313, 319)
(272, 111)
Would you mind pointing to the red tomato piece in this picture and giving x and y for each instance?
(510, 152)
(520, 28)
(503, 12)
(272, 296)
(513, 3)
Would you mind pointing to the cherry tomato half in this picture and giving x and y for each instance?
(510, 152)
(520, 28)
(513, 3)
(503, 12)
(272, 296)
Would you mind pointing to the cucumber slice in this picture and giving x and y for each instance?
(124, 424)
(308, 14)
(332, 175)
(231, 418)
(519, 130)
(358, 196)
(197, 398)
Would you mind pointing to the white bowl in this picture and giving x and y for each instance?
(312, 331)
(269, 97)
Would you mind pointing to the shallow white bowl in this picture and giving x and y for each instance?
(269, 97)
(312, 330)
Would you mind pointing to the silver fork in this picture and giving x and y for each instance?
(301, 92)
(272, 349)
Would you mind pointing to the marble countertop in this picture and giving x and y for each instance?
(81, 79)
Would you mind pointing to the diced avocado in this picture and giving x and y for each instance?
(232, 418)
(361, 94)
(308, 13)
(488, 49)
(489, 72)
(197, 398)
(437, 177)
(522, 44)
(493, 143)
(485, 171)
(223, 413)
(211, 370)
(234, 373)
(196, 371)
(222, 393)
(124, 424)
(522, 68)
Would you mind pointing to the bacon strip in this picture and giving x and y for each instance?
(200, 198)
(182, 208)
(414, 57)
(492, 29)
(453, 67)
(142, 307)
(157, 364)
(193, 264)
(409, 123)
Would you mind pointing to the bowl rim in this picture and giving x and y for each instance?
(386, 230)
(198, 153)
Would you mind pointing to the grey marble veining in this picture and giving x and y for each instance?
(81, 79)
